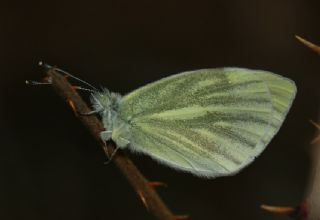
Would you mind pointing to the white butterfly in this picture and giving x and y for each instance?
(209, 122)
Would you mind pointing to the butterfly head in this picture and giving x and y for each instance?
(105, 101)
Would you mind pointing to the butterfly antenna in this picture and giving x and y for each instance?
(35, 83)
(46, 81)
(83, 89)
(47, 66)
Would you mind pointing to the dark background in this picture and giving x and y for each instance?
(50, 167)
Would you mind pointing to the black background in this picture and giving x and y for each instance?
(50, 168)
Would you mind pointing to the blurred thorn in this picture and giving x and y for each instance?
(157, 183)
(279, 210)
(315, 124)
(143, 199)
(300, 212)
(317, 138)
(73, 107)
(312, 46)
(180, 217)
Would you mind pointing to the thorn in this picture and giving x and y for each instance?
(312, 46)
(315, 124)
(317, 138)
(300, 212)
(180, 217)
(143, 199)
(157, 183)
(280, 210)
(73, 107)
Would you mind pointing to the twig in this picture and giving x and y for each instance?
(139, 183)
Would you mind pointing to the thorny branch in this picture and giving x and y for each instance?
(143, 188)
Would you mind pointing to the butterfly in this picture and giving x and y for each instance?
(208, 122)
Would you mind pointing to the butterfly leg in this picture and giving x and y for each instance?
(111, 156)
(106, 135)
(89, 113)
